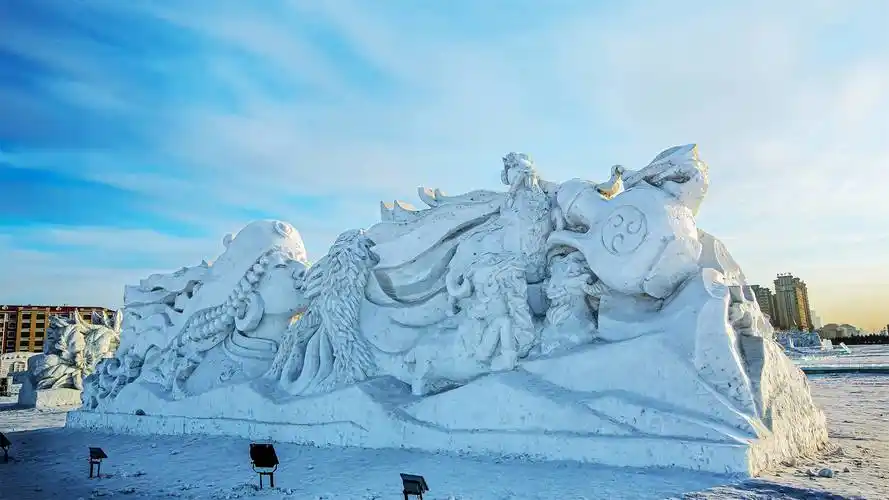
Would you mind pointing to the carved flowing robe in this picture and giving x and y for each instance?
(407, 292)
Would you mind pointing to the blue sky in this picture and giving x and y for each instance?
(134, 135)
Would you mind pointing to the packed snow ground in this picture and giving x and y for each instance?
(49, 462)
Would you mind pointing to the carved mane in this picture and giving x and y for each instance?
(325, 347)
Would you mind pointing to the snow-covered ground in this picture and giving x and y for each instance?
(49, 462)
(857, 408)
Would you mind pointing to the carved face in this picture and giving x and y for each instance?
(277, 291)
(515, 166)
(568, 273)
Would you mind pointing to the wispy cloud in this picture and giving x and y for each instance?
(213, 113)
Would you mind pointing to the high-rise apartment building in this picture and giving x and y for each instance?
(23, 327)
(792, 301)
(816, 320)
(766, 300)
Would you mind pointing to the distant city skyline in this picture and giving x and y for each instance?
(134, 135)
(767, 295)
(831, 304)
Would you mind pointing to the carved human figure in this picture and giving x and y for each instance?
(499, 304)
(248, 351)
(573, 304)
(494, 326)
(526, 214)
(237, 315)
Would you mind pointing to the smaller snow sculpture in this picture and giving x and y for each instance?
(526, 214)
(62, 363)
(792, 341)
(72, 350)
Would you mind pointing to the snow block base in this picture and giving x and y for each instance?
(549, 409)
(641, 452)
(47, 398)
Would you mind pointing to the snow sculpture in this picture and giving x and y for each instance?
(72, 350)
(796, 340)
(576, 320)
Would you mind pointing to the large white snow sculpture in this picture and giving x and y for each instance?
(72, 349)
(581, 321)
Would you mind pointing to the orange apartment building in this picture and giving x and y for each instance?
(23, 327)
